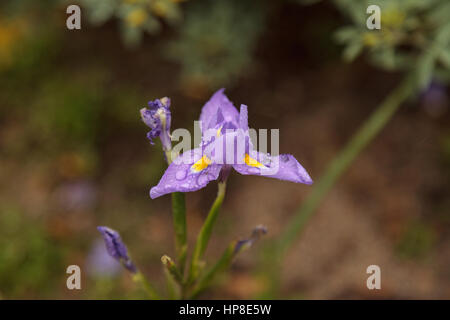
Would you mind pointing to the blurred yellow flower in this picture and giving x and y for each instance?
(393, 18)
(137, 17)
(160, 8)
(371, 38)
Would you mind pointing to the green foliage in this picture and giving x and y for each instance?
(217, 41)
(29, 259)
(66, 112)
(136, 16)
(414, 35)
(18, 6)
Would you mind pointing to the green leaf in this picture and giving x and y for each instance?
(346, 34)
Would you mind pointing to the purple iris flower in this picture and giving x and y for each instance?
(157, 116)
(116, 248)
(225, 144)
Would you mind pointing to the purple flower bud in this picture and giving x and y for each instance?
(257, 233)
(116, 248)
(157, 116)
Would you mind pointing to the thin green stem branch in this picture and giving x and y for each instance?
(179, 223)
(223, 263)
(141, 280)
(205, 232)
(369, 130)
(344, 159)
(171, 285)
(179, 220)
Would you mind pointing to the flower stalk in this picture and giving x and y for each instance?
(223, 263)
(205, 232)
(158, 118)
(230, 253)
(140, 279)
(179, 223)
(171, 285)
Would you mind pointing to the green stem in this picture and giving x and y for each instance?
(179, 223)
(141, 280)
(223, 263)
(205, 232)
(344, 159)
(179, 220)
(172, 268)
(171, 285)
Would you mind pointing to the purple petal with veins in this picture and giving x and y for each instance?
(218, 106)
(181, 177)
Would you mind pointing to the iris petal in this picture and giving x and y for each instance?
(218, 105)
(282, 167)
(179, 176)
(225, 143)
(243, 118)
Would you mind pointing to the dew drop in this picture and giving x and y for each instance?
(202, 179)
(180, 175)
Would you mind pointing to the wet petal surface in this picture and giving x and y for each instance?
(282, 167)
(189, 172)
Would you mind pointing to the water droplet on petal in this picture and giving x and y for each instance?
(202, 179)
(180, 175)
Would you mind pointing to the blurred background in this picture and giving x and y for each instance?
(74, 152)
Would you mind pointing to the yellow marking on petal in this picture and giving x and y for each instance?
(201, 164)
(252, 162)
(219, 131)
